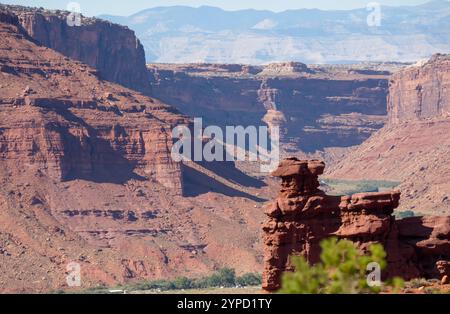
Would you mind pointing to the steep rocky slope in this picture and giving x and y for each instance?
(317, 108)
(112, 49)
(86, 177)
(414, 147)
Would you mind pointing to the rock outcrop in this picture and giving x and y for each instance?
(421, 91)
(110, 48)
(303, 216)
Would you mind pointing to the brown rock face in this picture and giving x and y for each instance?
(420, 92)
(112, 49)
(303, 216)
(68, 128)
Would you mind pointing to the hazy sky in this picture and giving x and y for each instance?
(121, 7)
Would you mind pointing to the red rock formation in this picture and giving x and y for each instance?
(421, 91)
(303, 216)
(112, 49)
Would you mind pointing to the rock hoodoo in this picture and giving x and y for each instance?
(303, 215)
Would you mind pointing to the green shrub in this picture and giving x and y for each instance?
(249, 279)
(225, 277)
(183, 283)
(342, 270)
(162, 285)
(405, 214)
(417, 283)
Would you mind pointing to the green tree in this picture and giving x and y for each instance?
(342, 269)
(225, 277)
(183, 283)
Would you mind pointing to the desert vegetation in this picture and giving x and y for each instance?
(223, 278)
(406, 214)
(349, 187)
(342, 270)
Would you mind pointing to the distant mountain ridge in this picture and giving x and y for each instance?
(181, 34)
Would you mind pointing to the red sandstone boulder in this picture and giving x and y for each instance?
(293, 167)
(357, 226)
(384, 201)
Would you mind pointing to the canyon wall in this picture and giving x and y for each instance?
(316, 108)
(74, 126)
(303, 216)
(421, 91)
(112, 49)
(414, 147)
(87, 177)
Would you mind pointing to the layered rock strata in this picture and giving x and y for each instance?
(87, 177)
(414, 147)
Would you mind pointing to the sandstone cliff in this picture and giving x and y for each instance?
(56, 123)
(112, 49)
(303, 215)
(414, 147)
(421, 91)
(316, 108)
(86, 176)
